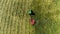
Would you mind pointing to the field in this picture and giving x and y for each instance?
(14, 17)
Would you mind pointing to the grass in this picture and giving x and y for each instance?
(14, 18)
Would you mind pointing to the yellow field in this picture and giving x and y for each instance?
(14, 18)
